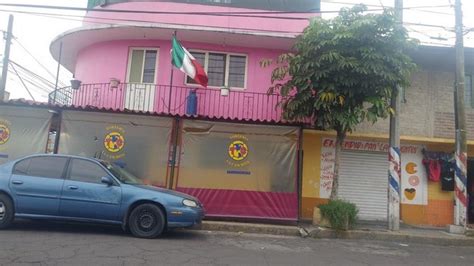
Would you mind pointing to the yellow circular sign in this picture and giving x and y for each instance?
(411, 168)
(114, 142)
(238, 150)
(4, 134)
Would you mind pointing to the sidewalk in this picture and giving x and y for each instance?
(437, 236)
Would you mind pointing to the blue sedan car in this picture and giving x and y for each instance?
(75, 188)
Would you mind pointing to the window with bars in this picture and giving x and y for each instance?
(142, 68)
(223, 70)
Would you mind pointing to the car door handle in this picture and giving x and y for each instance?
(72, 187)
(17, 182)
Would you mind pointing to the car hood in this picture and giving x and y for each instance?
(167, 191)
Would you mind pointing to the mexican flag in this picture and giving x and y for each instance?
(182, 59)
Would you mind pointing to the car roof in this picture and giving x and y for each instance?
(60, 155)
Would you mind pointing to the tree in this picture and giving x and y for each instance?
(343, 72)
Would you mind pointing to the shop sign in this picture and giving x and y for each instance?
(114, 142)
(238, 151)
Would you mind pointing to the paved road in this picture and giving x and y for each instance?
(58, 244)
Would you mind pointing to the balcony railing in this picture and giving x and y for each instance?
(173, 100)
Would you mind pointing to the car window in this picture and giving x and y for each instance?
(44, 166)
(86, 171)
(21, 167)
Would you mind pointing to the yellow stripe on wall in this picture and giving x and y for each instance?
(311, 165)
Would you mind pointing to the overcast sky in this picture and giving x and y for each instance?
(36, 32)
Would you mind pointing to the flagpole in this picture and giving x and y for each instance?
(171, 80)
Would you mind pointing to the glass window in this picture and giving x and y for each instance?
(136, 66)
(237, 65)
(123, 175)
(216, 69)
(44, 166)
(142, 66)
(86, 171)
(21, 168)
(201, 58)
(223, 70)
(149, 68)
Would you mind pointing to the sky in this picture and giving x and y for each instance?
(35, 33)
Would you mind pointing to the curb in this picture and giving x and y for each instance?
(325, 233)
(393, 236)
(250, 228)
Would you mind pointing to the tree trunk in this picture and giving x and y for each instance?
(337, 158)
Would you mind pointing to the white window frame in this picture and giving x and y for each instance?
(145, 49)
(227, 65)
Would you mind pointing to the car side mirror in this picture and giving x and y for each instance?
(107, 180)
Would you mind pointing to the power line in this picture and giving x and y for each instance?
(36, 60)
(22, 82)
(381, 5)
(92, 19)
(214, 13)
(36, 87)
(35, 76)
(88, 19)
(49, 83)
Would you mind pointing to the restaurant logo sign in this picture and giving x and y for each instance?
(114, 141)
(4, 131)
(238, 151)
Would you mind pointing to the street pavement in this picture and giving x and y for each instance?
(46, 243)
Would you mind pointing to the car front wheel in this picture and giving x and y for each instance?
(6, 211)
(146, 221)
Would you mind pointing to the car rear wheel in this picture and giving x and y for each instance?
(6, 211)
(146, 221)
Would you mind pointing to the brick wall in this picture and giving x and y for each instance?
(428, 110)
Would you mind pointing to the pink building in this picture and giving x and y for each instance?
(121, 55)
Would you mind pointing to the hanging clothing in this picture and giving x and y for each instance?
(433, 168)
(447, 175)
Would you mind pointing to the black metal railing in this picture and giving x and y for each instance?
(175, 100)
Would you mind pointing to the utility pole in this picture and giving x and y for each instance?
(6, 58)
(394, 155)
(461, 144)
(57, 72)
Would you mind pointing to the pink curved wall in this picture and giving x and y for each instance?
(100, 62)
(250, 23)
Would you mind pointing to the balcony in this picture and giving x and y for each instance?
(175, 100)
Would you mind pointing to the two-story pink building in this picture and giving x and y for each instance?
(130, 42)
(227, 143)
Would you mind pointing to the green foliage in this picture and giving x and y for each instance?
(341, 214)
(343, 70)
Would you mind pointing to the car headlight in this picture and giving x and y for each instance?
(190, 203)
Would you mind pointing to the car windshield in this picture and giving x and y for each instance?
(123, 175)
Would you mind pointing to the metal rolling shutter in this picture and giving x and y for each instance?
(363, 181)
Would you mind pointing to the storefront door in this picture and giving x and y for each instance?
(363, 181)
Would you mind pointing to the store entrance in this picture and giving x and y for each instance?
(470, 190)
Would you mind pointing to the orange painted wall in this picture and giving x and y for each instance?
(438, 212)
(311, 173)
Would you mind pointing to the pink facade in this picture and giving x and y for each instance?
(100, 62)
(98, 53)
(257, 22)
